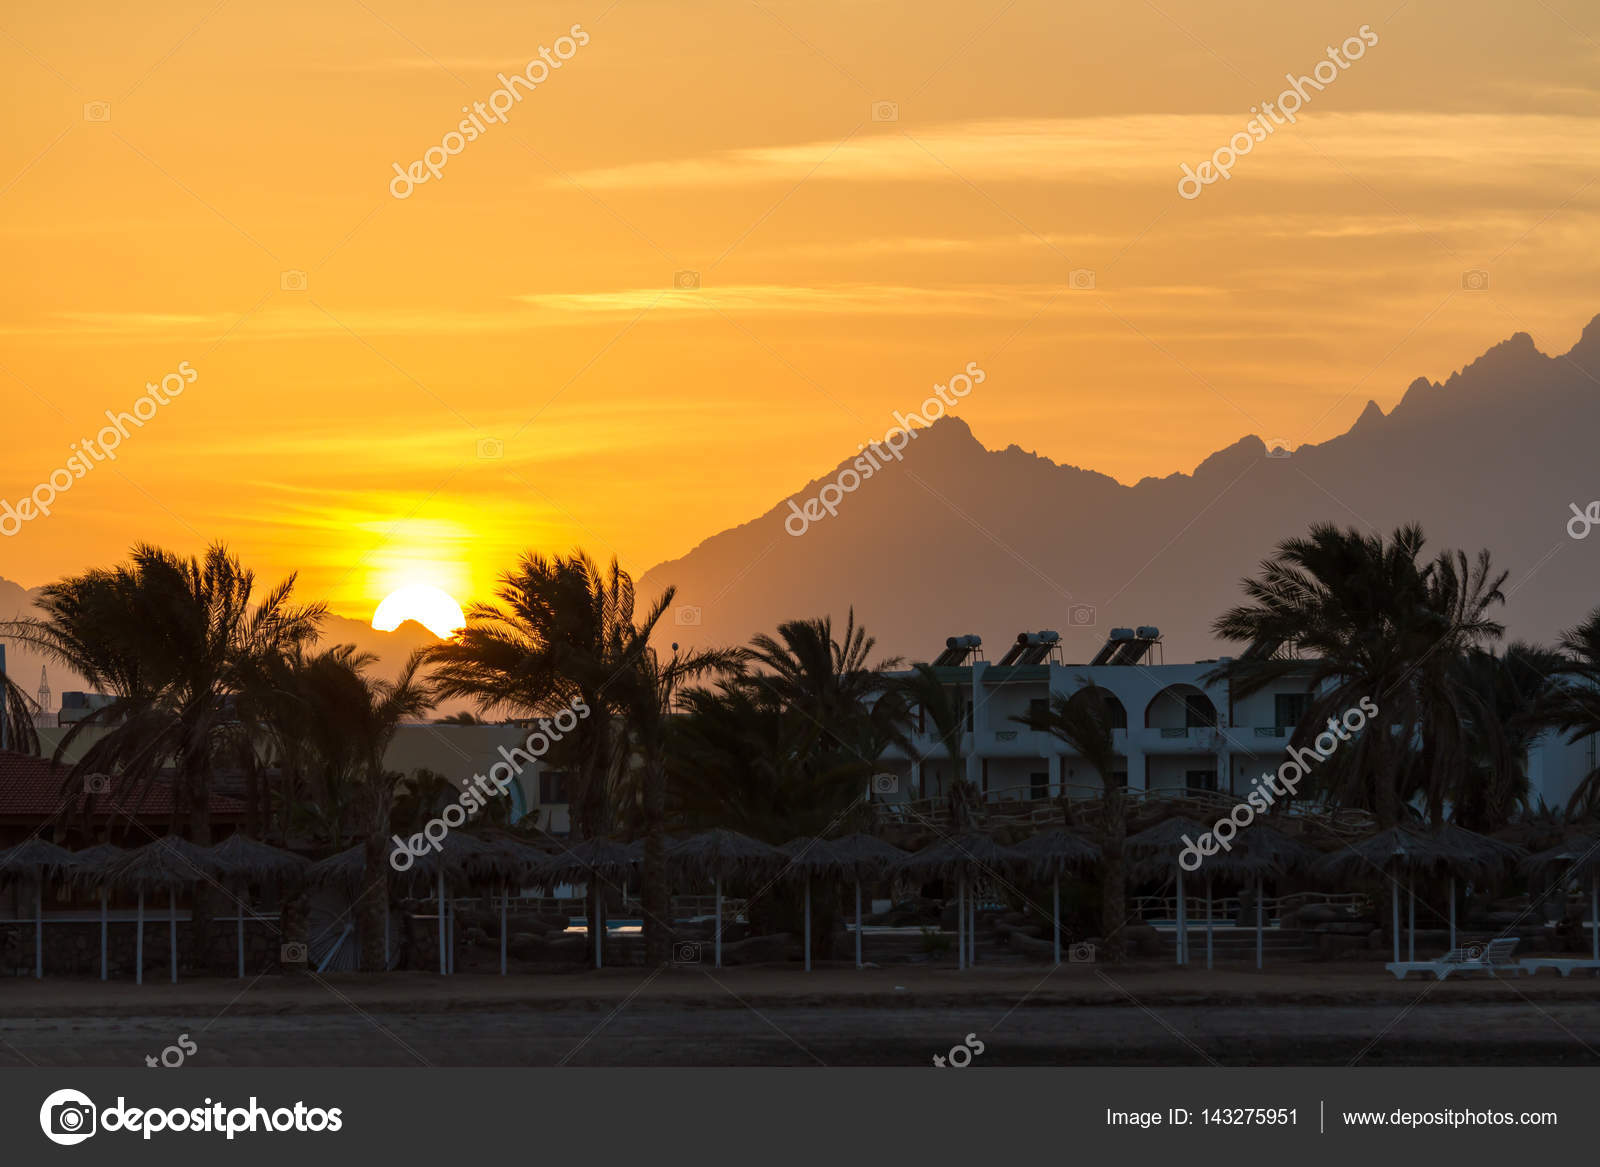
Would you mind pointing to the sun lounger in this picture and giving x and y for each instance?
(1493, 958)
(1562, 965)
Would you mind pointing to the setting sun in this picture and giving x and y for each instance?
(429, 606)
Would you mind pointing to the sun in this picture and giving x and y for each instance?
(429, 606)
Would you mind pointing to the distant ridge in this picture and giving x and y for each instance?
(959, 538)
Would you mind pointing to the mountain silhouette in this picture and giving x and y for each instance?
(958, 538)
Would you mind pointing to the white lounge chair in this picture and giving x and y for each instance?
(1563, 965)
(1493, 958)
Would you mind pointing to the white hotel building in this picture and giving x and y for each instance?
(1176, 729)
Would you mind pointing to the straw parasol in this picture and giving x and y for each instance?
(1159, 850)
(962, 857)
(717, 854)
(34, 862)
(810, 857)
(246, 861)
(866, 857)
(90, 861)
(1050, 855)
(1270, 852)
(167, 864)
(597, 859)
(1575, 857)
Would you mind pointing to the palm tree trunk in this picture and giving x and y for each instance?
(1114, 878)
(653, 885)
(372, 909)
(200, 836)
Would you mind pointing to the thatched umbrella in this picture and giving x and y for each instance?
(965, 856)
(597, 859)
(245, 861)
(866, 857)
(90, 861)
(34, 862)
(1573, 858)
(520, 863)
(1390, 852)
(1479, 858)
(1161, 847)
(166, 864)
(810, 857)
(715, 855)
(1050, 855)
(1271, 852)
(460, 860)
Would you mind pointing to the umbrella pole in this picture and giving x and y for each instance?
(38, 930)
(386, 934)
(138, 956)
(505, 900)
(599, 928)
(858, 923)
(1260, 893)
(451, 902)
(1411, 919)
(441, 919)
(808, 923)
(102, 933)
(1055, 914)
(1452, 913)
(1594, 913)
(1208, 923)
(1183, 931)
(1394, 916)
(238, 930)
(961, 923)
(719, 920)
(172, 931)
(972, 927)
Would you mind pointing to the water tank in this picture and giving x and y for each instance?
(1122, 634)
(1149, 632)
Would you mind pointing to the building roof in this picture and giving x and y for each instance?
(32, 789)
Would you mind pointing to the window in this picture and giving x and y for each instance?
(552, 787)
(1038, 709)
(1198, 712)
(1200, 779)
(1039, 785)
(1120, 777)
(970, 707)
(1289, 708)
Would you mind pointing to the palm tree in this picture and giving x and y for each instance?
(177, 642)
(1510, 686)
(1361, 617)
(1084, 720)
(937, 704)
(649, 687)
(563, 632)
(16, 715)
(1571, 703)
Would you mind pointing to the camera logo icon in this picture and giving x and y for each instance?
(491, 448)
(292, 954)
(885, 784)
(1081, 953)
(1081, 615)
(686, 616)
(1278, 448)
(97, 111)
(97, 784)
(293, 280)
(886, 111)
(67, 1117)
(686, 281)
(1081, 279)
(1476, 280)
(686, 952)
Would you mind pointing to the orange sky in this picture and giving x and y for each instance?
(527, 296)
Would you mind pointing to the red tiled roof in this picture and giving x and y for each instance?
(33, 788)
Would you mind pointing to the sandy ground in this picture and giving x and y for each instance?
(1074, 1015)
